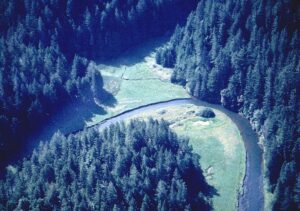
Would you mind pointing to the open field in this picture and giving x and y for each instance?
(135, 82)
(134, 79)
(219, 144)
(140, 81)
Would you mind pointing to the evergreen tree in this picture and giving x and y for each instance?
(67, 173)
(244, 57)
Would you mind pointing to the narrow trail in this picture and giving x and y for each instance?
(141, 79)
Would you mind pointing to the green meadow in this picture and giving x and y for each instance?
(219, 144)
(137, 81)
(138, 84)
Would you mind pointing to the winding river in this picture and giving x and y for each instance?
(251, 197)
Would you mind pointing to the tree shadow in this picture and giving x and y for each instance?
(69, 118)
(137, 54)
(73, 117)
(196, 183)
(109, 100)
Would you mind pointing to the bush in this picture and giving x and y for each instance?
(206, 113)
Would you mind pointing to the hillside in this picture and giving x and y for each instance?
(46, 48)
(245, 55)
(69, 65)
(138, 166)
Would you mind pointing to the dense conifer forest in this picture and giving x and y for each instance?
(242, 54)
(45, 48)
(245, 55)
(141, 166)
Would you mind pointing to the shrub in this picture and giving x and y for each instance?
(206, 113)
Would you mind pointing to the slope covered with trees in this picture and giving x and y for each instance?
(91, 29)
(245, 55)
(45, 48)
(33, 84)
(141, 166)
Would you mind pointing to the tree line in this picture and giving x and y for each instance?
(142, 165)
(245, 55)
(46, 48)
(84, 27)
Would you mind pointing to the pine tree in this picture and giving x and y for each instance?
(146, 203)
(111, 192)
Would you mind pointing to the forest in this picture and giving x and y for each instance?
(245, 55)
(46, 48)
(139, 166)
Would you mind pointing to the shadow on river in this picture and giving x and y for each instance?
(251, 197)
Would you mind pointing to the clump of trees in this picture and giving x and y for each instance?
(46, 48)
(245, 55)
(206, 113)
(141, 166)
(166, 56)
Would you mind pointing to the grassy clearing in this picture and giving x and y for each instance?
(133, 79)
(218, 142)
(268, 196)
(136, 80)
(135, 83)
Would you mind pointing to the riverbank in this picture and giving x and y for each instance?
(218, 142)
(152, 90)
(252, 196)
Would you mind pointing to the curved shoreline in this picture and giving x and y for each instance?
(251, 196)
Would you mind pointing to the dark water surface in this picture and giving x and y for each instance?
(251, 198)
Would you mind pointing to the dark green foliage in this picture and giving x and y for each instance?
(245, 55)
(91, 29)
(141, 166)
(166, 57)
(34, 83)
(45, 48)
(206, 113)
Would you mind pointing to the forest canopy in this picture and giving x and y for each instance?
(46, 48)
(138, 166)
(246, 56)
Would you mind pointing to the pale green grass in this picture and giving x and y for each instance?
(135, 85)
(217, 141)
(268, 196)
(219, 144)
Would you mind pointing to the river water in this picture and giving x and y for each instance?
(251, 197)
